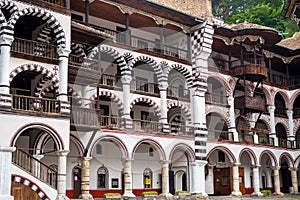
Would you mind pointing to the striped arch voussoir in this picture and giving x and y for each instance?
(148, 101)
(113, 98)
(36, 68)
(10, 6)
(47, 17)
(185, 72)
(33, 186)
(118, 58)
(183, 107)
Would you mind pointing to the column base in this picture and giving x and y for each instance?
(62, 197)
(202, 195)
(86, 197)
(258, 194)
(6, 198)
(166, 195)
(236, 194)
(278, 193)
(128, 195)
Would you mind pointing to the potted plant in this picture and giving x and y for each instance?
(149, 194)
(36, 106)
(112, 195)
(182, 193)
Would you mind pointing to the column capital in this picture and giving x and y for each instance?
(236, 164)
(165, 162)
(62, 52)
(7, 149)
(271, 109)
(230, 100)
(62, 152)
(163, 85)
(289, 113)
(276, 168)
(6, 39)
(293, 169)
(199, 163)
(126, 79)
(256, 166)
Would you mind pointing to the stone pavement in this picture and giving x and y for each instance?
(285, 197)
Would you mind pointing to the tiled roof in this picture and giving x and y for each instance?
(248, 25)
(292, 43)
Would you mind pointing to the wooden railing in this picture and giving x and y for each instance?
(177, 92)
(34, 167)
(35, 104)
(218, 135)
(265, 140)
(215, 99)
(60, 3)
(246, 138)
(110, 80)
(144, 87)
(280, 112)
(146, 126)
(111, 122)
(33, 48)
(181, 130)
(84, 117)
(296, 113)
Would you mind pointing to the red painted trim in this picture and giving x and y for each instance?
(138, 192)
(249, 190)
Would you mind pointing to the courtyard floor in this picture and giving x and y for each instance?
(286, 197)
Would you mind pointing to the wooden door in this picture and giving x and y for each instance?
(77, 182)
(23, 192)
(241, 180)
(222, 184)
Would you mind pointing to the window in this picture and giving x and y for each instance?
(102, 177)
(151, 152)
(98, 149)
(221, 156)
(147, 178)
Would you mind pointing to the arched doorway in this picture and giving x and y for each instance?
(76, 181)
(285, 175)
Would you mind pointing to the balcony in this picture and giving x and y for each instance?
(35, 106)
(178, 93)
(140, 43)
(252, 66)
(246, 138)
(55, 3)
(280, 112)
(110, 81)
(250, 104)
(296, 112)
(216, 99)
(144, 87)
(36, 50)
(265, 140)
(85, 119)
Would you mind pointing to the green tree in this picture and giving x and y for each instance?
(264, 12)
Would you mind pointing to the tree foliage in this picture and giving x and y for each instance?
(262, 12)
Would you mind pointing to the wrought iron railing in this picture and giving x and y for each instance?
(35, 167)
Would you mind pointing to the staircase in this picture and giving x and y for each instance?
(34, 174)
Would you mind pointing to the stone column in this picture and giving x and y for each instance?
(62, 175)
(256, 181)
(235, 180)
(5, 46)
(276, 180)
(37, 165)
(271, 110)
(5, 171)
(163, 107)
(294, 179)
(85, 179)
(232, 127)
(126, 80)
(291, 136)
(63, 74)
(165, 179)
(198, 178)
(127, 179)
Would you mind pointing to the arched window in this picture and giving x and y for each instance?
(151, 152)
(98, 149)
(147, 178)
(102, 177)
